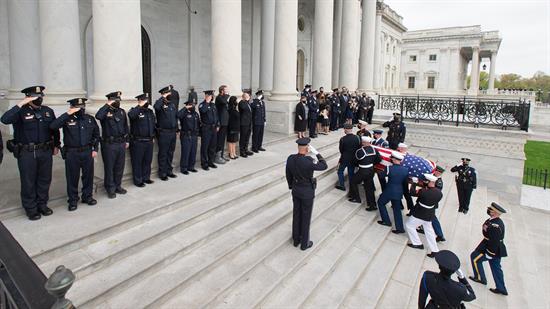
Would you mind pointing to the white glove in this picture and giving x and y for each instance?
(391, 119)
(488, 257)
(459, 273)
(415, 179)
(313, 150)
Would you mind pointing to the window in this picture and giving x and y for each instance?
(412, 58)
(301, 24)
(393, 50)
(412, 81)
(388, 48)
(433, 57)
(431, 82)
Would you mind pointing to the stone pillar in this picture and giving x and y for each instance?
(474, 76)
(226, 44)
(336, 40)
(322, 44)
(368, 41)
(267, 48)
(117, 49)
(492, 72)
(377, 53)
(349, 61)
(24, 38)
(61, 50)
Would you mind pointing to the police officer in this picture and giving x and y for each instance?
(348, 145)
(466, 182)
(192, 96)
(396, 132)
(174, 96)
(167, 128)
(370, 109)
(222, 107)
(443, 291)
(258, 121)
(491, 249)
(397, 177)
(334, 111)
(363, 131)
(80, 145)
(209, 127)
(299, 176)
(245, 111)
(142, 134)
(189, 131)
(114, 141)
(435, 221)
(33, 145)
(366, 157)
(313, 114)
(344, 101)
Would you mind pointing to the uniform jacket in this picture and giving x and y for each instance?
(258, 112)
(166, 112)
(299, 174)
(189, 122)
(334, 104)
(367, 155)
(313, 107)
(209, 114)
(493, 238)
(426, 203)
(397, 179)
(396, 132)
(142, 122)
(246, 113)
(222, 107)
(32, 125)
(113, 122)
(380, 142)
(444, 292)
(78, 130)
(175, 98)
(466, 176)
(348, 145)
(344, 99)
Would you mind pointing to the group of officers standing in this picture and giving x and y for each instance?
(37, 138)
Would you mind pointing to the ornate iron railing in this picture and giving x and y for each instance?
(460, 110)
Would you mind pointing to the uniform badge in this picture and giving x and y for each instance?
(189, 116)
(29, 116)
(141, 116)
(47, 114)
(72, 123)
(165, 106)
(109, 114)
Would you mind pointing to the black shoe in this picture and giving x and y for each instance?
(421, 247)
(496, 291)
(250, 153)
(72, 207)
(354, 200)
(205, 168)
(371, 208)
(465, 211)
(440, 239)
(34, 217)
(420, 230)
(431, 255)
(212, 165)
(408, 214)
(474, 279)
(148, 181)
(164, 178)
(193, 170)
(140, 185)
(121, 191)
(261, 149)
(90, 201)
(244, 155)
(111, 195)
(255, 151)
(309, 245)
(185, 172)
(296, 243)
(340, 187)
(383, 223)
(460, 210)
(397, 231)
(172, 175)
(45, 211)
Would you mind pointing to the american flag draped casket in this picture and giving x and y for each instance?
(417, 166)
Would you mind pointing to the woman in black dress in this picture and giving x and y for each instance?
(233, 127)
(300, 121)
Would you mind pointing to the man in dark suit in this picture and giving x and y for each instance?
(175, 96)
(223, 116)
(334, 110)
(246, 123)
(397, 177)
(349, 143)
(344, 101)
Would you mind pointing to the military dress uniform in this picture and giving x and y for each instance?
(209, 126)
(258, 121)
(189, 131)
(466, 182)
(366, 158)
(380, 142)
(114, 136)
(142, 135)
(33, 146)
(167, 129)
(397, 131)
(80, 139)
(299, 176)
(397, 176)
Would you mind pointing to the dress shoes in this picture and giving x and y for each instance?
(111, 195)
(45, 211)
(244, 155)
(193, 170)
(296, 243)
(149, 181)
(185, 172)
(373, 208)
(440, 239)
(90, 201)
(34, 217)
(164, 178)
(465, 211)
(255, 151)
(72, 207)
(140, 185)
(497, 291)
(383, 223)
(205, 168)
(355, 200)
(398, 231)
(250, 153)
(212, 165)
(261, 149)
(340, 187)
(431, 255)
(120, 191)
(421, 247)
(172, 175)
(474, 279)
(309, 245)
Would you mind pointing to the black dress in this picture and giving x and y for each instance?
(300, 125)
(234, 125)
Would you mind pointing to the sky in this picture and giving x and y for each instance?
(524, 26)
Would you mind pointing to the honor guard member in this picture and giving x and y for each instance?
(313, 114)
(167, 128)
(258, 121)
(222, 107)
(380, 142)
(466, 182)
(397, 177)
(142, 135)
(245, 111)
(366, 157)
(114, 141)
(396, 132)
(334, 111)
(189, 132)
(33, 145)
(435, 221)
(363, 131)
(491, 249)
(444, 292)
(299, 175)
(348, 145)
(80, 146)
(209, 127)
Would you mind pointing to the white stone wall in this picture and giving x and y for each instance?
(4, 49)
(390, 60)
(306, 9)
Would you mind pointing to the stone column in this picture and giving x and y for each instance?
(322, 44)
(61, 50)
(368, 41)
(267, 48)
(349, 61)
(117, 49)
(492, 72)
(226, 44)
(377, 53)
(336, 39)
(474, 76)
(24, 38)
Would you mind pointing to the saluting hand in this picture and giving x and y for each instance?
(94, 154)
(73, 110)
(26, 100)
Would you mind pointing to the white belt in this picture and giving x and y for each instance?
(365, 166)
(426, 206)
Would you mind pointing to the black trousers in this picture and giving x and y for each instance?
(312, 124)
(244, 139)
(114, 156)
(188, 152)
(257, 137)
(464, 195)
(369, 116)
(208, 145)
(365, 176)
(382, 180)
(301, 219)
(342, 118)
(35, 171)
(75, 162)
(393, 144)
(141, 155)
(333, 121)
(167, 146)
(221, 136)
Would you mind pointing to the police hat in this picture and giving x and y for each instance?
(397, 155)
(77, 102)
(190, 102)
(143, 97)
(466, 159)
(448, 260)
(335, 90)
(348, 126)
(34, 91)
(377, 131)
(397, 114)
(259, 92)
(304, 141)
(439, 169)
(314, 91)
(113, 95)
(165, 90)
(307, 86)
(496, 207)
(247, 90)
(430, 177)
(209, 92)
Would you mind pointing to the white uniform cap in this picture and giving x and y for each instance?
(397, 155)
(430, 177)
(366, 139)
(402, 145)
(362, 122)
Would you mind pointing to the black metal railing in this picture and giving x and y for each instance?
(536, 177)
(460, 110)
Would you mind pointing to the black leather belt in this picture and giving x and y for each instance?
(142, 138)
(114, 140)
(168, 130)
(33, 146)
(79, 149)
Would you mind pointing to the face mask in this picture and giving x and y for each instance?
(82, 111)
(303, 101)
(168, 97)
(146, 105)
(38, 101)
(116, 103)
(489, 212)
(260, 97)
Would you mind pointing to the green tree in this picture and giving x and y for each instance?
(483, 80)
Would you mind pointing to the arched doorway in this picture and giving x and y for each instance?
(146, 60)
(300, 66)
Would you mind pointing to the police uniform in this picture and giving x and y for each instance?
(258, 121)
(380, 142)
(189, 131)
(344, 101)
(299, 176)
(222, 107)
(334, 111)
(466, 182)
(492, 249)
(366, 158)
(174, 96)
(209, 125)
(397, 131)
(348, 145)
(142, 135)
(114, 136)
(80, 139)
(444, 292)
(33, 146)
(397, 176)
(370, 109)
(313, 113)
(167, 128)
(245, 111)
